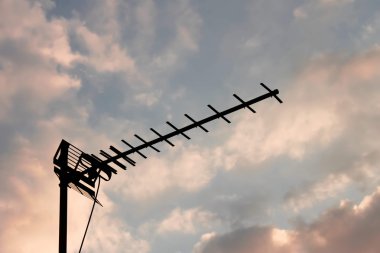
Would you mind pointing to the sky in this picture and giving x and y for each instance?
(297, 177)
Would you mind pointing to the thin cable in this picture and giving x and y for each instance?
(89, 219)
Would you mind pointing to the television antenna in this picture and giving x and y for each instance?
(80, 171)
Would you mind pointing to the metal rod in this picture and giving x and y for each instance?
(188, 127)
(242, 101)
(167, 141)
(126, 158)
(194, 121)
(141, 139)
(219, 114)
(275, 95)
(106, 155)
(129, 145)
(177, 130)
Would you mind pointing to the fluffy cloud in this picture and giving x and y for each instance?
(255, 239)
(335, 2)
(26, 23)
(186, 221)
(325, 125)
(29, 198)
(187, 169)
(347, 228)
(187, 27)
(34, 54)
(333, 92)
(106, 54)
(30, 184)
(319, 191)
(112, 235)
(39, 106)
(23, 202)
(322, 108)
(34, 57)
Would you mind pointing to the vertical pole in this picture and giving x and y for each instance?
(61, 160)
(63, 215)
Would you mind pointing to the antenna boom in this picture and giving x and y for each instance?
(271, 93)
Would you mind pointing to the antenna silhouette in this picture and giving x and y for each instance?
(80, 171)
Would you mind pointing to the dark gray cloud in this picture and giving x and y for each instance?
(347, 228)
(257, 239)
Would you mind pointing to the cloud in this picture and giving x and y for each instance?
(187, 169)
(105, 53)
(123, 39)
(344, 229)
(333, 92)
(23, 203)
(30, 194)
(29, 198)
(325, 127)
(45, 38)
(321, 190)
(34, 55)
(185, 40)
(323, 7)
(255, 239)
(35, 63)
(286, 129)
(335, 2)
(322, 107)
(148, 99)
(299, 13)
(146, 18)
(205, 239)
(347, 228)
(113, 235)
(187, 221)
(39, 104)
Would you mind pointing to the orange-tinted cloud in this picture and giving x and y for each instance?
(348, 228)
